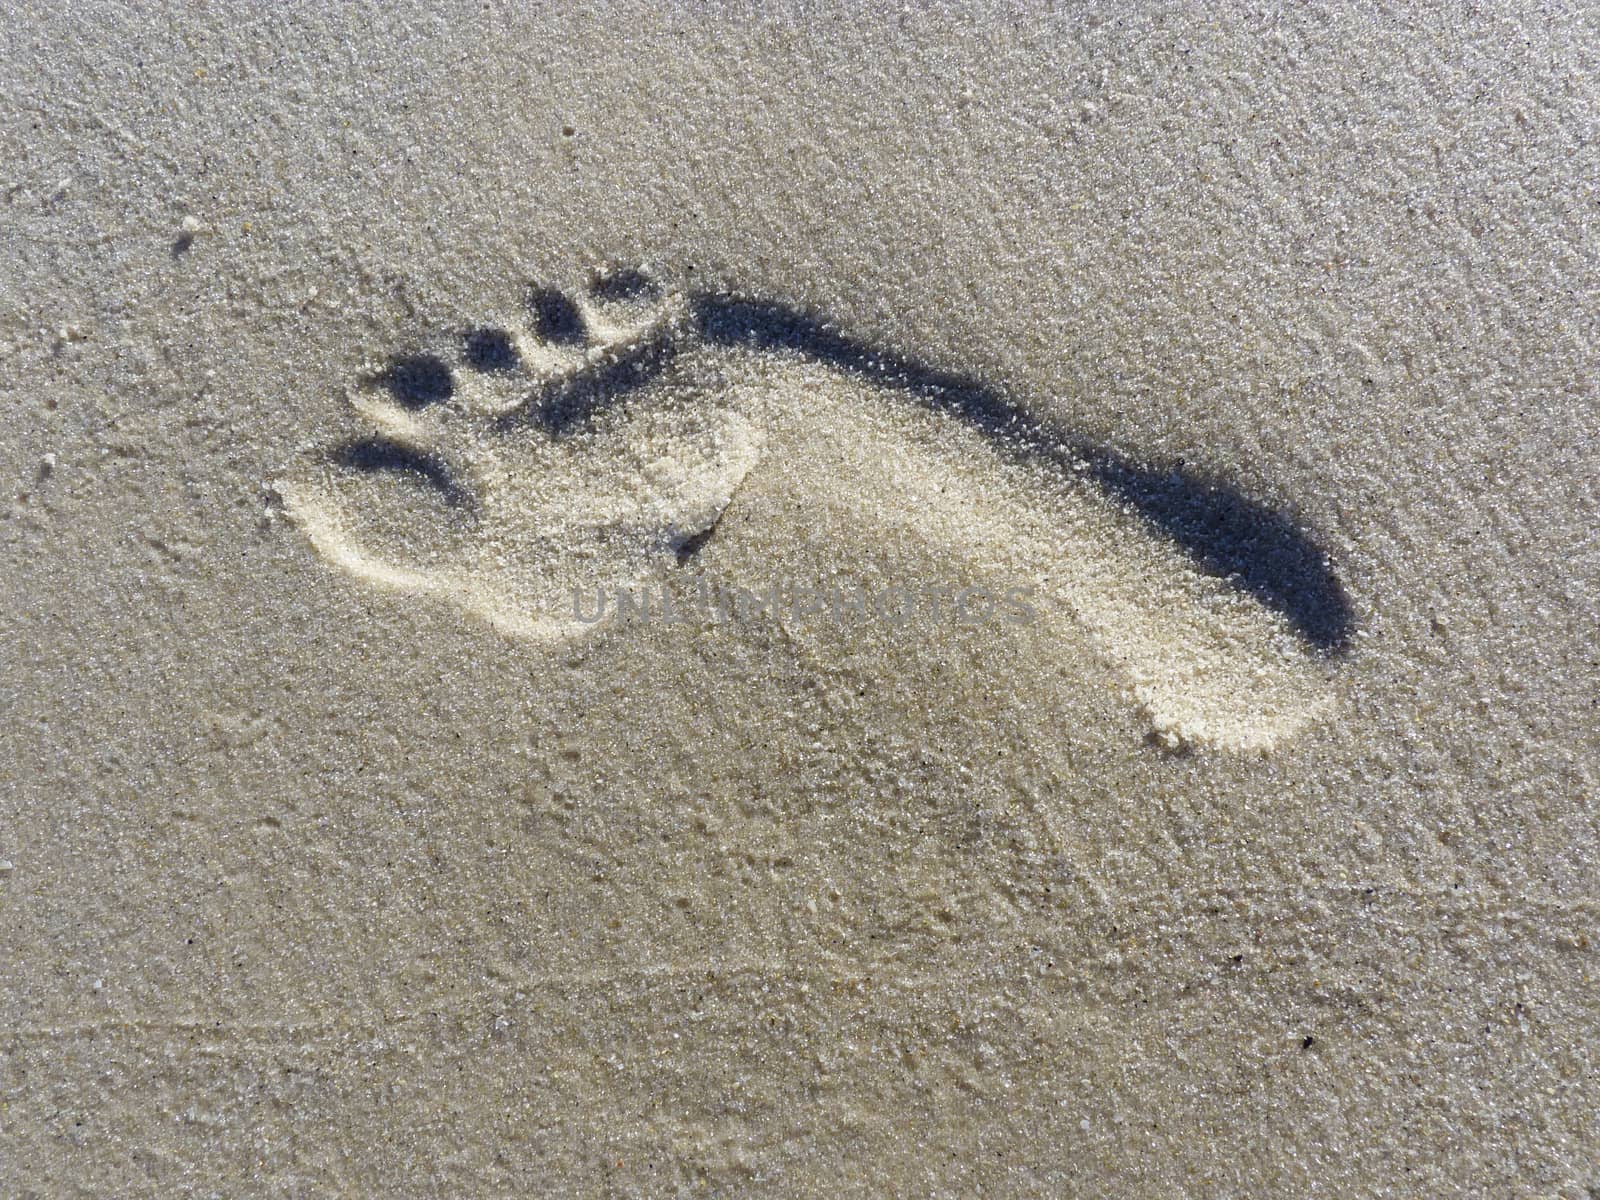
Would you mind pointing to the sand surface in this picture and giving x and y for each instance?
(1247, 851)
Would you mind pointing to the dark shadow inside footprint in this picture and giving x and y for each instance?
(491, 350)
(571, 403)
(418, 381)
(734, 321)
(1255, 548)
(686, 548)
(376, 455)
(556, 319)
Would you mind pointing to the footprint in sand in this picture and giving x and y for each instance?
(605, 442)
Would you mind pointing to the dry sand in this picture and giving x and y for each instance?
(340, 856)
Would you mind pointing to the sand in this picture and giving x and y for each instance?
(1101, 505)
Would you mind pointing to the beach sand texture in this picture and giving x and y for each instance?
(1230, 373)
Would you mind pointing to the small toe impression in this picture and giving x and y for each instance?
(374, 456)
(623, 286)
(418, 381)
(491, 350)
(556, 319)
(624, 305)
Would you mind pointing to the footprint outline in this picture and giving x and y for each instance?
(626, 332)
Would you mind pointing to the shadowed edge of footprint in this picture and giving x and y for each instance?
(1254, 547)
(589, 356)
